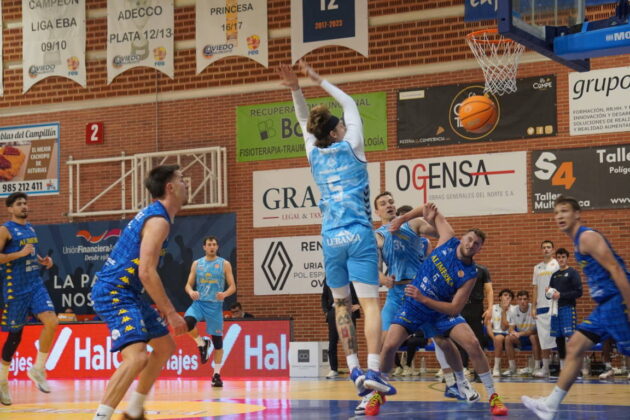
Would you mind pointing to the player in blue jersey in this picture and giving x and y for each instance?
(23, 293)
(116, 294)
(435, 299)
(336, 153)
(206, 287)
(609, 282)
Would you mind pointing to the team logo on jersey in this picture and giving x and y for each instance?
(460, 273)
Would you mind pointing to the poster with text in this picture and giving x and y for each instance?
(140, 33)
(228, 27)
(53, 41)
(271, 131)
(316, 24)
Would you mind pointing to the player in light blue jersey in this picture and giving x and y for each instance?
(206, 287)
(130, 268)
(609, 281)
(335, 151)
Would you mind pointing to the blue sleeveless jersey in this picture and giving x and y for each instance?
(210, 278)
(343, 183)
(22, 274)
(121, 268)
(403, 251)
(601, 285)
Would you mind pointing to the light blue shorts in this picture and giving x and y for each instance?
(210, 312)
(393, 303)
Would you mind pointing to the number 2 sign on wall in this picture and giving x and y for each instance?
(94, 133)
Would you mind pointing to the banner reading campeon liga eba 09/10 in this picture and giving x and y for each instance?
(317, 24)
(140, 33)
(229, 27)
(53, 41)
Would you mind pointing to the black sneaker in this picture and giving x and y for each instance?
(203, 350)
(216, 381)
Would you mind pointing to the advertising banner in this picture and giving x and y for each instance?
(599, 101)
(29, 159)
(140, 33)
(289, 197)
(53, 41)
(288, 266)
(431, 116)
(227, 27)
(598, 177)
(317, 24)
(271, 131)
(82, 351)
(472, 185)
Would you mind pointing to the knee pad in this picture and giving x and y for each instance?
(11, 345)
(217, 342)
(190, 322)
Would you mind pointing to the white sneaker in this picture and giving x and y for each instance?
(359, 410)
(398, 371)
(439, 373)
(508, 372)
(407, 371)
(39, 377)
(585, 372)
(332, 374)
(5, 397)
(496, 373)
(468, 391)
(607, 375)
(617, 371)
(467, 373)
(539, 407)
(525, 371)
(541, 373)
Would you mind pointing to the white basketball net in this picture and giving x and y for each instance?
(498, 57)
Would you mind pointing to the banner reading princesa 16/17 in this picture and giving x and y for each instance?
(271, 131)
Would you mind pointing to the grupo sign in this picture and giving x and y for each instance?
(83, 351)
(289, 197)
(471, 185)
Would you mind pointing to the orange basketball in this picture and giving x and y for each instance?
(478, 114)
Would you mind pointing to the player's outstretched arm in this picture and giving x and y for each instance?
(452, 308)
(289, 79)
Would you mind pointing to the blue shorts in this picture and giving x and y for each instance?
(565, 323)
(430, 322)
(130, 319)
(393, 303)
(211, 312)
(610, 320)
(17, 310)
(350, 255)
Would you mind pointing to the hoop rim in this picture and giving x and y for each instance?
(493, 31)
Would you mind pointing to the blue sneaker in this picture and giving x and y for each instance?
(358, 377)
(453, 392)
(376, 381)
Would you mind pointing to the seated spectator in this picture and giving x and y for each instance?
(67, 316)
(238, 312)
(497, 326)
(522, 332)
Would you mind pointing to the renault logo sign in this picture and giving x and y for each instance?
(277, 265)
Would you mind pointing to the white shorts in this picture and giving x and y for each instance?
(543, 330)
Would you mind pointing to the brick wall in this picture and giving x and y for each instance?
(513, 242)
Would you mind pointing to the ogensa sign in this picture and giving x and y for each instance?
(82, 351)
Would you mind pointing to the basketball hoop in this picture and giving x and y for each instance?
(498, 57)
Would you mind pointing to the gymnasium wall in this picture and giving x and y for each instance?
(412, 44)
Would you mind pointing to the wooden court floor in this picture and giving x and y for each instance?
(418, 398)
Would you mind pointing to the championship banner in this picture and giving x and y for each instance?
(228, 27)
(29, 159)
(290, 197)
(472, 185)
(316, 24)
(53, 41)
(599, 101)
(271, 131)
(431, 116)
(596, 176)
(288, 266)
(140, 33)
(252, 348)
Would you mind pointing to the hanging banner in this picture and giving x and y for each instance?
(140, 33)
(1, 61)
(317, 24)
(228, 27)
(471, 185)
(53, 41)
(29, 159)
(271, 131)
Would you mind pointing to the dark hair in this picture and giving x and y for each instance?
(158, 178)
(210, 238)
(522, 293)
(564, 199)
(14, 197)
(403, 209)
(479, 233)
(317, 126)
(236, 305)
(383, 194)
(547, 241)
(562, 251)
(508, 291)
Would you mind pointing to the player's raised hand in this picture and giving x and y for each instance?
(288, 78)
(176, 322)
(308, 71)
(429, 212)
(395, 224)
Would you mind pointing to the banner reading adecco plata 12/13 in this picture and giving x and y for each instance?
(271, 131)
(598, 177)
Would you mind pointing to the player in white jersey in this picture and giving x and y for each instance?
(522, 331)
(540, 307)
(336, 153)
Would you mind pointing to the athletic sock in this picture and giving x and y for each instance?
(217, 368)
(488, 383)
(459, 376)
(449, 378)
(545, 363)
(497, 363)
(200, 341)
(353, 361)
(40, 361)
(4, 372)
(136, 405)
(512, 364)
(561, 363)
(537, 364)
(103, 412)
(374, 362)
(555, 398)
(608, 366)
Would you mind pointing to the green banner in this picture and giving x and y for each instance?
(271, 131)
